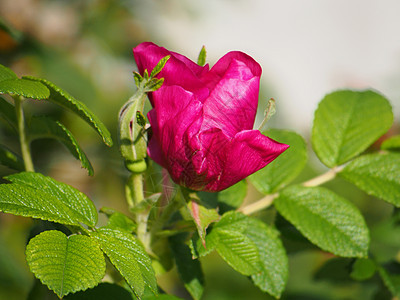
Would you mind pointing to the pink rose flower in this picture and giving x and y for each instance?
(202, 120)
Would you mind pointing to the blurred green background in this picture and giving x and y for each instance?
(85, 47)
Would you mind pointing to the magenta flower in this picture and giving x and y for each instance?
(202, 119)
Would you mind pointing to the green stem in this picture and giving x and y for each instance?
(135, 197)
(26, 153)
(269, 199)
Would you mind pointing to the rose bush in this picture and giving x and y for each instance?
(202, 119)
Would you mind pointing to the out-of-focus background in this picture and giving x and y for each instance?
(306, 48)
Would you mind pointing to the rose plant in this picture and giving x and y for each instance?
(202, 120)
(200, 129)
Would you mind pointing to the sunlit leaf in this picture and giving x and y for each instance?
(201, 61)
(25, 88)
(160, 65)
(347, 122)
(273, 259)
(202, 217)
(35, 195)
(65, 264)
(120, 221)
(129, 257)
(7, 73)
(326, 219)
(377, 175)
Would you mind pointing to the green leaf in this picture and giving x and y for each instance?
(122, 222)
(232, 243)
(272, 262)
(37, 196)
(201, 61)
(348, 122)
(392, 143)
(44, 127)
(7, 112)
(7, 73)
(65, 100)
(363, 268)
(197, 246)
(326, 219)
(273, 259)
(232, 197)
(238, 251)
(376, 174)
(10, 159)
(129, 257)
(286, 167)
(160, 65)
(202, 217)
(65, 264)
(189, 269)
(25, 88)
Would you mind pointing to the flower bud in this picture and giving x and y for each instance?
(132, 134)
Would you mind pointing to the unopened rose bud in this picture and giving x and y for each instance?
(202, 119)
(132, 135)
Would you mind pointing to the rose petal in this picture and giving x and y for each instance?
(173, 123)
(179, 70)
(219, 69)
(249, 152)
(232, 105)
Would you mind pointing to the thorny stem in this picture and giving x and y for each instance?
(268, 199)
(25, 151)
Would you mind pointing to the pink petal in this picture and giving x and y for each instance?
(179, 70)
(232, 105)
(178, 115)
(210, 148)
(249, 152)
(219, 69)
